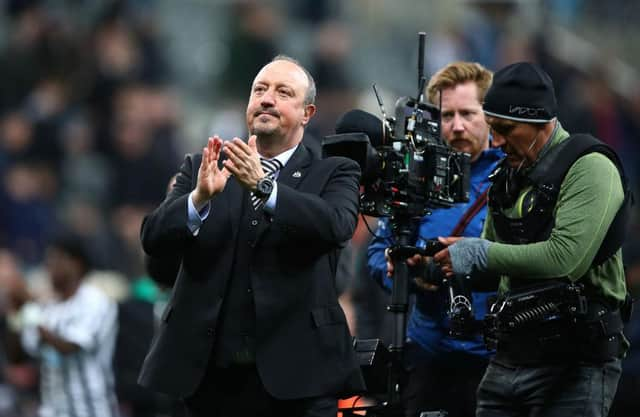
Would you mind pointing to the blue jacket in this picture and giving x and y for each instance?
(428, 323)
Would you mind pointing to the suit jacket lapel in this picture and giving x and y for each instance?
(296, 168)
(291, 175)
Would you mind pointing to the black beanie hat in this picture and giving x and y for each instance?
(521, 92)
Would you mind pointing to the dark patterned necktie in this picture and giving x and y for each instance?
(270, 167)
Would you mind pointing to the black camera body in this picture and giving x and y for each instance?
(407, 168)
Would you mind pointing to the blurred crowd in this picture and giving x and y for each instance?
(96, 114)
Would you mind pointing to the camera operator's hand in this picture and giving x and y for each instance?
(387, 258)
(462, 256)
(418, 265)
(443, 258)
(424, 285)
(414, 261)
(432, 277)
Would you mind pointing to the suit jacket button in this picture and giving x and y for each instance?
(254, 222)
(210, 331)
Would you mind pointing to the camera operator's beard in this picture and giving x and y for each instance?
(460, 142)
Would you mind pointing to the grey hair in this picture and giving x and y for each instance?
(310, 95)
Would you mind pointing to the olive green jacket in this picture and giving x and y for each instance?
(589, 198)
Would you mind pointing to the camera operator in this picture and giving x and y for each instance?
(444, 372)
(557, 209)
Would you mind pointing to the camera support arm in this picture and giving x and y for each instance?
(405, 235)
(398, 308)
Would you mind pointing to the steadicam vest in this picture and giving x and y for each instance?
(543, 181)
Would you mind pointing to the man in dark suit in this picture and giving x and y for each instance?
(253, 326)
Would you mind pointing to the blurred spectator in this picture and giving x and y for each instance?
(336, 94)
(253, 27)
(126, 221)
(137, 320)
(46, 106)
(604, 108)
(85, 172)
(18, 373)
(117, 59)
(16, 138)
(87, 220)
(369, 316)
(73, 336)
(632, 133)
(626, 403)
(22, 58)
(27, 191)
(141, 166)
(314, 12)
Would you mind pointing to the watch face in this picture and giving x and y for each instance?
(264, 187)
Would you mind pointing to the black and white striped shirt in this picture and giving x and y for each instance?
(79, 384)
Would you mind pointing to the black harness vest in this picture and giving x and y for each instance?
(594, 335)
(545, 179)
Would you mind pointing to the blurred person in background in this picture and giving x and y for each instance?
(140, 157)
(558, 206)
(332, 46)
(18, 372)
(444, 372)
(626, 402)
(253, 327)
(73, 336)
(27, 195)
(255, 26)
(138, 319)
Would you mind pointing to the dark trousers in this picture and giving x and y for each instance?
(564, 390)
(447, 382)
(237, 391)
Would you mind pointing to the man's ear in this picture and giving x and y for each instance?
(309, 111)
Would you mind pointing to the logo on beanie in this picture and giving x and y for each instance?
(526, 111)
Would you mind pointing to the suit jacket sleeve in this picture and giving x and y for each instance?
(327, 217)
(164, 231)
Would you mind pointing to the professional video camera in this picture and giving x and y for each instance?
(407, 170)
